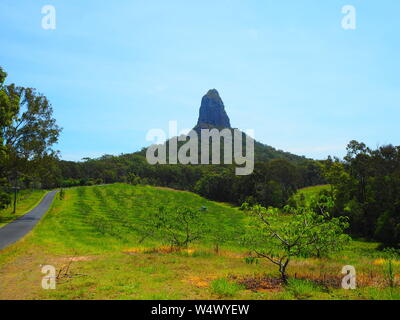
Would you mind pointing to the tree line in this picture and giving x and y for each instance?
(366, 188)
(271, 184)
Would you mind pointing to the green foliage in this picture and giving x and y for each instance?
(178, 226)
(216, 185)
(133, 179)
(305, 232)
(251, 260)
(27, 133)
(225, 288)
(366, 189)
(391, 255)
(5, 200)
(271, 184)
(61, 194)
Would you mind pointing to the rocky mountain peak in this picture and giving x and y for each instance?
(212, 112)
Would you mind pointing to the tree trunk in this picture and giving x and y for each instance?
(282, 270)
(283, 276)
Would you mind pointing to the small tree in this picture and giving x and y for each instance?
(180, 226)
(280, 238)
(61, 194)
(330, 237)
(221, 234)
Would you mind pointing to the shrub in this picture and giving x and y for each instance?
(5, 200)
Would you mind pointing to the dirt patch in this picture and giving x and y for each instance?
(78, 258)
(260, 284)
(201, 282)
(231, 254)
(324, 280)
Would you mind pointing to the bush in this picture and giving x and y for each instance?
(5, 200)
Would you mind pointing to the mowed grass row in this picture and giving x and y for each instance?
(93, 236)
(104, 218)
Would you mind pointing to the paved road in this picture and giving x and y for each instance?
(15, 230)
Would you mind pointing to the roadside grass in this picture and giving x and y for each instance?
(92, 238)
(26, 200)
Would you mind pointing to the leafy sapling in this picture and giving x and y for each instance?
(280, 238)
(178, 226)
(390, 255)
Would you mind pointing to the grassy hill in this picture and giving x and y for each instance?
(309, 192)
(104, 218)
(92, 238)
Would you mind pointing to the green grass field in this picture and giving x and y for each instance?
(92, 238)
(26, 200)
(309, 192)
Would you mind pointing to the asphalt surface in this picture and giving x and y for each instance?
(15, 230)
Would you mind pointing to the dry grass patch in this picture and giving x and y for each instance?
(259, 283)
(201, 282)
(77, 258)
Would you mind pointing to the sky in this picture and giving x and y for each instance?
(287, 69)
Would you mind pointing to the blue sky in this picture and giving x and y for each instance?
(287, 69)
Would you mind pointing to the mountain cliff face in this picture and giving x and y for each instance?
(212, 112)
(213, 115)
